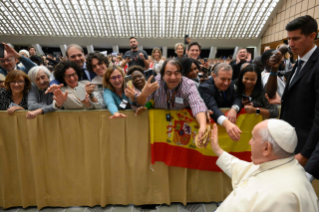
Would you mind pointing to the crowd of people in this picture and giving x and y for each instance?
(139, 82)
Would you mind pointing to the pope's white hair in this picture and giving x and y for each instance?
(276, 149)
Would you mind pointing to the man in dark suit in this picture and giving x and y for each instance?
(300, 101)
(218, 92)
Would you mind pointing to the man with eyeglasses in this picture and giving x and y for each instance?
(172, 91)
(9, 62)
(75, 53)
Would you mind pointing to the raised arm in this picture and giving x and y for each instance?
(271, 85)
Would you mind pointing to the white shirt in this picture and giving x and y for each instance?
(305, 58)
(280, 83)
(277, 186)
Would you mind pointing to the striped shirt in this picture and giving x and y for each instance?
(186, 96)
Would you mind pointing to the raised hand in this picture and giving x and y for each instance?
(10, 51)
(275, 60)
(149, 87)
(53, 88)
(130, 92)
(248, 57)
(214, 141)
(60, 98)
(89, 88)
(141, 56)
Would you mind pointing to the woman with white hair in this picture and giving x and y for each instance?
(38, 101)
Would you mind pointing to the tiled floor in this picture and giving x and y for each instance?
(205, 207)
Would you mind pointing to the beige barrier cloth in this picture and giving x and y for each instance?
(81, 158)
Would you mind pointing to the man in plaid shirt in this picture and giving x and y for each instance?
(172, 91)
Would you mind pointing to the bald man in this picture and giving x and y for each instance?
(274, 180)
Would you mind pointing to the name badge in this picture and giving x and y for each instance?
(123, 104)
(179, 100)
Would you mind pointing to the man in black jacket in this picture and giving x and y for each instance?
(300, 100)
(218, 92)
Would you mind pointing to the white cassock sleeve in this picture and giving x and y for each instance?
(230, 164)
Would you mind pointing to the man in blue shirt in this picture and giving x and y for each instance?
(10, 60)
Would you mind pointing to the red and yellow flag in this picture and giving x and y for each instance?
(173, 142)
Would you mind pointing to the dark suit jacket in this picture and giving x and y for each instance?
(214, 101)
(300, 106)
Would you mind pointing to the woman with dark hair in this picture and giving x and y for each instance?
(190, 69)
(97, 63)
(250, 87)
(68, 73)
(14, 95)
(138, 78)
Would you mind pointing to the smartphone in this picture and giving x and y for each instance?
(284, 49)
(1, 50)
(80, 92)
(128, 81)
(127, 57)
(205, 60)
(246, 98)
(185, 39)
(148, 74)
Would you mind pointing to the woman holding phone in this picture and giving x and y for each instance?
(98, 64)
(250, 87)
(68, 73)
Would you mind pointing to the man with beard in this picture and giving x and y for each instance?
(242, 57)
(135, 56)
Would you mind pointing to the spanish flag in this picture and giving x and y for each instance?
(173, 141)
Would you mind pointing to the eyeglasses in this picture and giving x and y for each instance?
(19, 82)
(71, 75)
(6, 60)
(116, 77)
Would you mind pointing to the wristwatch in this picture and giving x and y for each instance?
(91, 96)
(235, 107)
(257, 111)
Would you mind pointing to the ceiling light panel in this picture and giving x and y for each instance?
(139, 18)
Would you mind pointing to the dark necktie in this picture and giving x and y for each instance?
(222, 94)
(300, 62)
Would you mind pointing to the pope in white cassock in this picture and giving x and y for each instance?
(274, 181)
